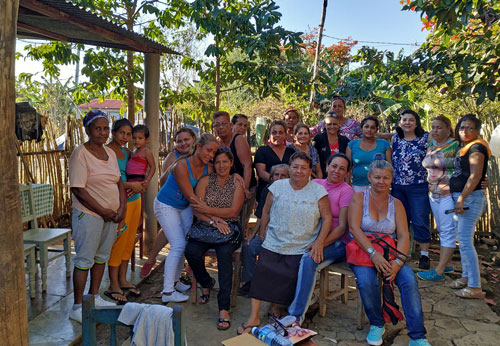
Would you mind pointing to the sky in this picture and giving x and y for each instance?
(362, 20)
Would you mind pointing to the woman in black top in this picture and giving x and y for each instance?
(274, 153)
(471, 165)
(330, 142)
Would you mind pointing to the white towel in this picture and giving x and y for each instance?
(152, 324)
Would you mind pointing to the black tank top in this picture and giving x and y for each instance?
(237, 166)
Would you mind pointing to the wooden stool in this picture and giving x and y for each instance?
(345, 274)
(30, 258)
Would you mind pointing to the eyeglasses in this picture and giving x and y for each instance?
(280, 328)
(220, 125)
(466, 128)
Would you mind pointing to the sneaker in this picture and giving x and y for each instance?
(146, 269)
(175, 297)
(101, 302)
(76, 315)
(448, 269)
(375, 335)
(430, 275)
(181, 287)
(424, 263)
(419, 342)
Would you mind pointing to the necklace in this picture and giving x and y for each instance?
(379, 206)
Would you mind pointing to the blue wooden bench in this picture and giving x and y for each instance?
(92, 315)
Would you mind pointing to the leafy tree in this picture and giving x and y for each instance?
(462, 49)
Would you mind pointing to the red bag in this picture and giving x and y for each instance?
(359, 257)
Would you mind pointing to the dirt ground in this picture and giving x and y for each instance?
(201, 320)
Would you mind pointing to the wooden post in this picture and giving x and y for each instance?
(152, 113)
(14, 326)
(316, 56)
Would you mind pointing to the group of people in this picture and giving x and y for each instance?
(319, 191)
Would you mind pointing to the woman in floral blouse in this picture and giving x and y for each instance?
(409, 147)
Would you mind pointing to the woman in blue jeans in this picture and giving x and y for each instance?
(376, 211)
(471, 164)
(409, 147)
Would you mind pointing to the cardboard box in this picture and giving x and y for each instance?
(243, 340)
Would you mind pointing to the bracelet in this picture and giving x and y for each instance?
(399, 262)
(373, 254)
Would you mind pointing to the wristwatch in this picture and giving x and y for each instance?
(399, 262)
(371, 251)
(212, 222)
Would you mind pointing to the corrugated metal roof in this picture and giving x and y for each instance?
(65, 21)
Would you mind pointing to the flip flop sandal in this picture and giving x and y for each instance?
(244, 327)
(467, 293)
(223, 320)
(119, 301)
(458, 284)
(132, 293)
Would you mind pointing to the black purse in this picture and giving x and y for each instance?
(203, 232)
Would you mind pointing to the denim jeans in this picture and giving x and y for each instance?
(195, 252)
(416, 202)
(308, 269)
(250, 252)
(445, 223)
(175, 224)
(367, 282)
(465, 224)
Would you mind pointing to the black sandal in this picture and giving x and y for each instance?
(223, 320)
(204, 298)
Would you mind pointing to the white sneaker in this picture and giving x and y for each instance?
(101, 302)
(76, 315)
(175, 297)
(181, 287)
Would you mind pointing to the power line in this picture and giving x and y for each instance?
(416, 44)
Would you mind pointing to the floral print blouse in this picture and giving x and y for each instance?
(407, 157)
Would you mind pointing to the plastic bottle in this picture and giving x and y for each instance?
(270, 337)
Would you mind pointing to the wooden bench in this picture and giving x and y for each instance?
(346, 274)
(92, 315)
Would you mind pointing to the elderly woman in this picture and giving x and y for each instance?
(291, 223)
(184, 143)
(376, 211)
(303, 143)
(339, 195)
(220, 192)
(471, 165)
(330, 141)
(363, 151)
(274, 153)
(99, 204)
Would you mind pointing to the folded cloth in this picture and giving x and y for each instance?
(152, 324)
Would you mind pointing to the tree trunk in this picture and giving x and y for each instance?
(316, 55)
(217, 83)
(14, 326)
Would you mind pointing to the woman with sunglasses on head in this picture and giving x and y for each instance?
(471, 164)
(271, 154)
(330, 141)
(409, 147)
(185, 139)
(219, 191)
(303, 143)
(173, 208)
(363, 151)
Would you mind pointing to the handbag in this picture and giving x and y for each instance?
(359, 257)
(205, 233)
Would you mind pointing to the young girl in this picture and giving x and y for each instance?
(141, 158)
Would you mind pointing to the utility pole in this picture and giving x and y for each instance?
(316, 56)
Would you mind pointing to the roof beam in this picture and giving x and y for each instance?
(45, 33)
(63, 16)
